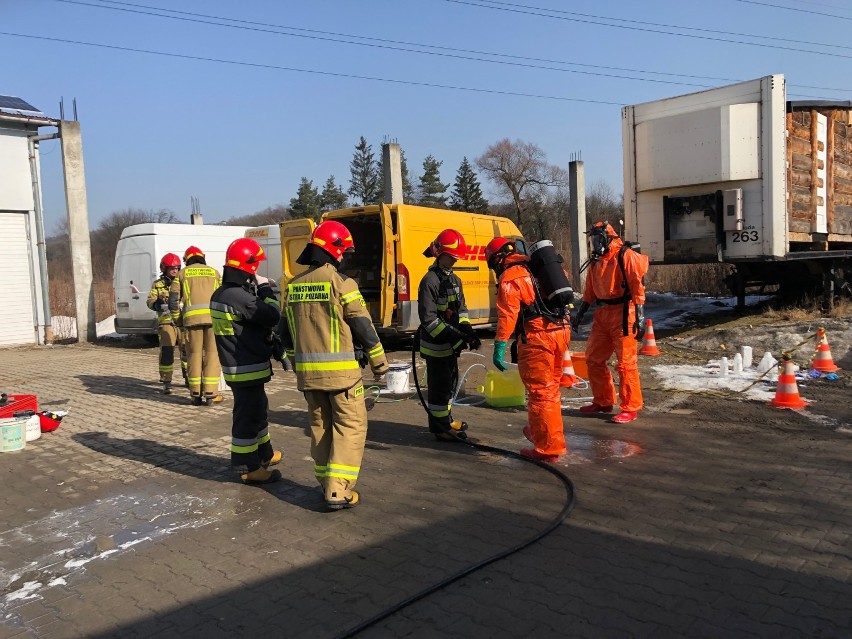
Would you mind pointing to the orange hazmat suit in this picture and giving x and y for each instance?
(539, 354)
(610, 333)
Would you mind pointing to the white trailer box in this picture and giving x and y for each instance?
(739, 175)
(137, 265)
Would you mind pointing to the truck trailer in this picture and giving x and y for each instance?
(740, 175)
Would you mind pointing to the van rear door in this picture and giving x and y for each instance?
(295, 235)
(388, 286)
(133, 274)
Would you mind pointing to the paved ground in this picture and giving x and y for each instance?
(709, 517)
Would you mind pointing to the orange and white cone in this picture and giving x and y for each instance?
(649, 344)
(569, 377)
(823, 361)
(787, 394)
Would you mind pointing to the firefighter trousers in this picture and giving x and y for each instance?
(203, 368)
(250, 444)
(169, 341)
(442, 374)
(540, 367)
(605, 338)
(338, 421)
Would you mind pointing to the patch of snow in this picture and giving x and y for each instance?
(688, 377)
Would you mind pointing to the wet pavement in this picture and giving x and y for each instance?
(707, 517)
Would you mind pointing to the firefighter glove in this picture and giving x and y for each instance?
(499, 353)
(473, 343)
(639, 324)
(578, 318)
(361, 357)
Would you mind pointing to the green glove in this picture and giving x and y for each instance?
(499, 352)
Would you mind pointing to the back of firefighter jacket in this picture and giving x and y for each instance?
(442, 309)
(193, 288)
(242, 324)
(326, 317)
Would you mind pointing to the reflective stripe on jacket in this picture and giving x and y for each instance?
(326, 316)
(242, 324)
(189, 295)
(160, 294)
(442, 308)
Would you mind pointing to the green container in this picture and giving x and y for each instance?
(13, 434)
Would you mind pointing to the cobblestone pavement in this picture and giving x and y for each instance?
(701, 519)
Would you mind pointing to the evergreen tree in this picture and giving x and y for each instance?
(364, 184)
(332, 197)
(306, 202)
(467, 192)
(407, 186)
(432, 190)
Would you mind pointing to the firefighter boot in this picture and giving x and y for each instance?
(167, 388)
(455, 433)
(197, 400)
(213, 399)
(260, 476)
(595, 408)
(347, 502)
(532, 453)
(274, 460)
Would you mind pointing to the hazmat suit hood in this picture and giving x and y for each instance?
(605, 241)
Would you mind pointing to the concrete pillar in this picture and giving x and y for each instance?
(579, 247)
(392, 165)
(196, 218)
(78, 229)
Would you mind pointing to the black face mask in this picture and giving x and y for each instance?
(600, 242)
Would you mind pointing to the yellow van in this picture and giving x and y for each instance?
(388, 263)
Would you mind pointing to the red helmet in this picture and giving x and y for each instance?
(333, 238)
(449, 241)
(496, 252)
(495, 246)
(244, 254)
(169, 260)
(192, 251)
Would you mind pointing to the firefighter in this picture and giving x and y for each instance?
(614, 282)
(445, 331)
(244, 310)
(542, 340)
(329, 335)
(167, 332)
(189, 303)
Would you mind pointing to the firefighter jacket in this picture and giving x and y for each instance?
(516, 298)
(190, 292)
(442, 310)
(616, 276)
(326, 322)
(243, 319)
(159, 296)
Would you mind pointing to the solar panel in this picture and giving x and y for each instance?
(11, 102)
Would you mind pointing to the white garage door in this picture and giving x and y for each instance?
(16, 304)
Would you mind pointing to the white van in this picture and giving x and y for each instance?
(269, 238)
(137, 265)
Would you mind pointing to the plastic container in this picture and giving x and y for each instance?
(49, 421)
(33, 428)
(503, 389)
(579, 362)
(13, 434)
(397, 378)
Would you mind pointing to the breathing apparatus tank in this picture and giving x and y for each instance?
(555, 290)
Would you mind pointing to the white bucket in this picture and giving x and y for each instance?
(13, 434)
(397, 378)
(33, 428)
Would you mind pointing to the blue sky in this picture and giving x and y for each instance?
(159, 129)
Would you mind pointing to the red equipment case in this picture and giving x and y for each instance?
(16, 403)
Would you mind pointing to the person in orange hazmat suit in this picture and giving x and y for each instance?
(542, 340)
(614, 282)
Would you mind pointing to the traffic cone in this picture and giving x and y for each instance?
(822, 357)
(787, 395)
(649, 344)
(569, 377)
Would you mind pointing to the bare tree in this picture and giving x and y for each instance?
(602, 203)
(520, 170)
(269, 215)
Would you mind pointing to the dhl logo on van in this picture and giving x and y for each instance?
(475, 254)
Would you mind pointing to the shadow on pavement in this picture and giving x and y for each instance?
(555, 588)
(184, 461)
(133, 387)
